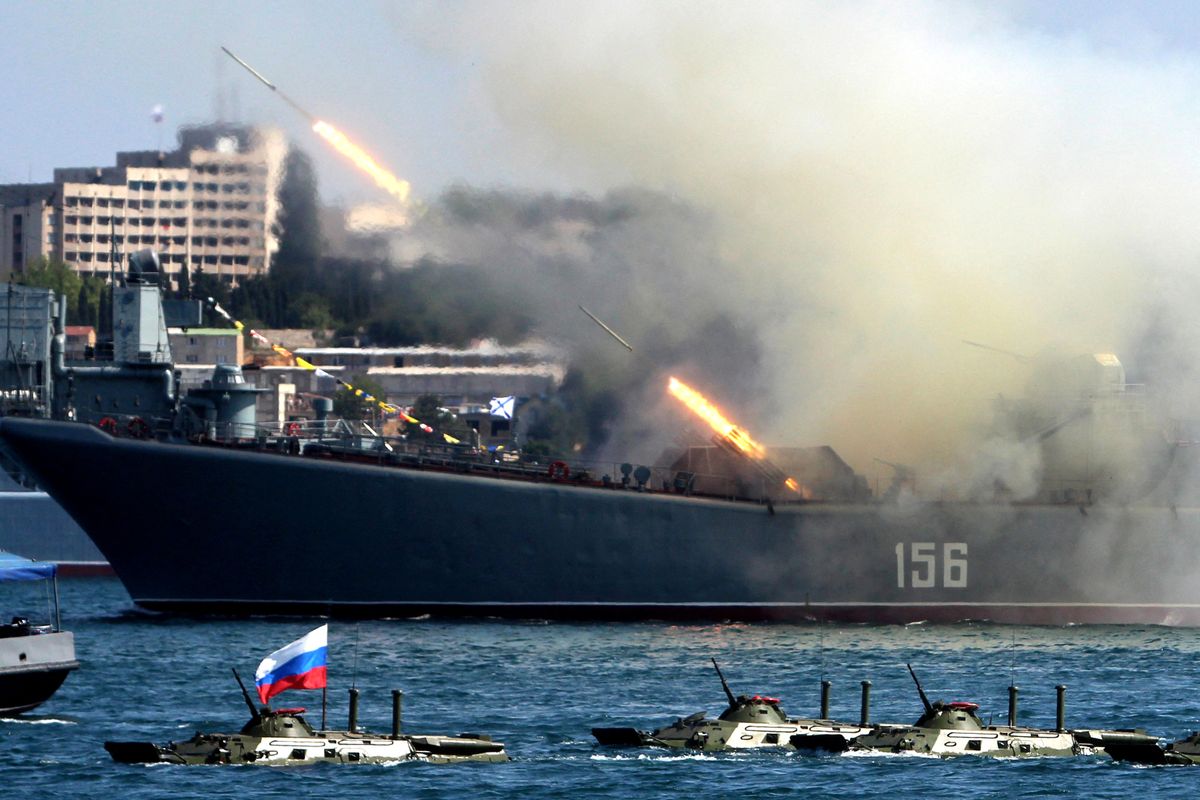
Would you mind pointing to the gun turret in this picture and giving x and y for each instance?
(725, 685)
(920, 691)
(254, 712)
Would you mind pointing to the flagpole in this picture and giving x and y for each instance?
(324, 691)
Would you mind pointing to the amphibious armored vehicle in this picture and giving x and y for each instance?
(748, 721)
(954, 729)
(283, 736)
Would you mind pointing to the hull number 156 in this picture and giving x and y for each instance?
(920, 565)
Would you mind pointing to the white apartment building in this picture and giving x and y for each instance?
(212, 204)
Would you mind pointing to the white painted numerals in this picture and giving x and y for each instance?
(917, 565)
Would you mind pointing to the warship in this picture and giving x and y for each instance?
(748, 722)
(378, 526)
(283, 737)
(35, 657)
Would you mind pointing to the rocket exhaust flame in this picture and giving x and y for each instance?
(394, 186)
(706, 411)
(731, 436)
(387, 181)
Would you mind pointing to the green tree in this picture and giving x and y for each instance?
(298, 227)
(205, 286)
(91, 301)
(53, 274)
(310, 310)
(348, 405)
(428, 409)
(185, 282)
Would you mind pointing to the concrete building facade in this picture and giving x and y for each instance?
(207, 346)
(211, 204)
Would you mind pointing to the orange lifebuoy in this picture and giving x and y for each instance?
(292, 429)
(108, 425)
(138, 428)
(558, 471)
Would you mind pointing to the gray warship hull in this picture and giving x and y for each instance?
(34, 526)
(212, 530)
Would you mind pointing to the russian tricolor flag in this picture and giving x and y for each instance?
(299, 665)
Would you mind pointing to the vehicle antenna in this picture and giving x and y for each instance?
(354, 670)
(924, 699)
(725, 685)
(254, 713)
(1012, 680)
(821, 650)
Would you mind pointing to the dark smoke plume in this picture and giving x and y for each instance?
(647, 264)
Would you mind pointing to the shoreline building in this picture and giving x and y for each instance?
(211, 204)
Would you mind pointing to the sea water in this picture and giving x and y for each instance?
(541, 686)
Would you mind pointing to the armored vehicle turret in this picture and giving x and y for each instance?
(748, 721)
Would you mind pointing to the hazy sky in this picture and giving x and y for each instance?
(413, 82)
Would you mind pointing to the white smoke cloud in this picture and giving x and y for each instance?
(884, 180)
